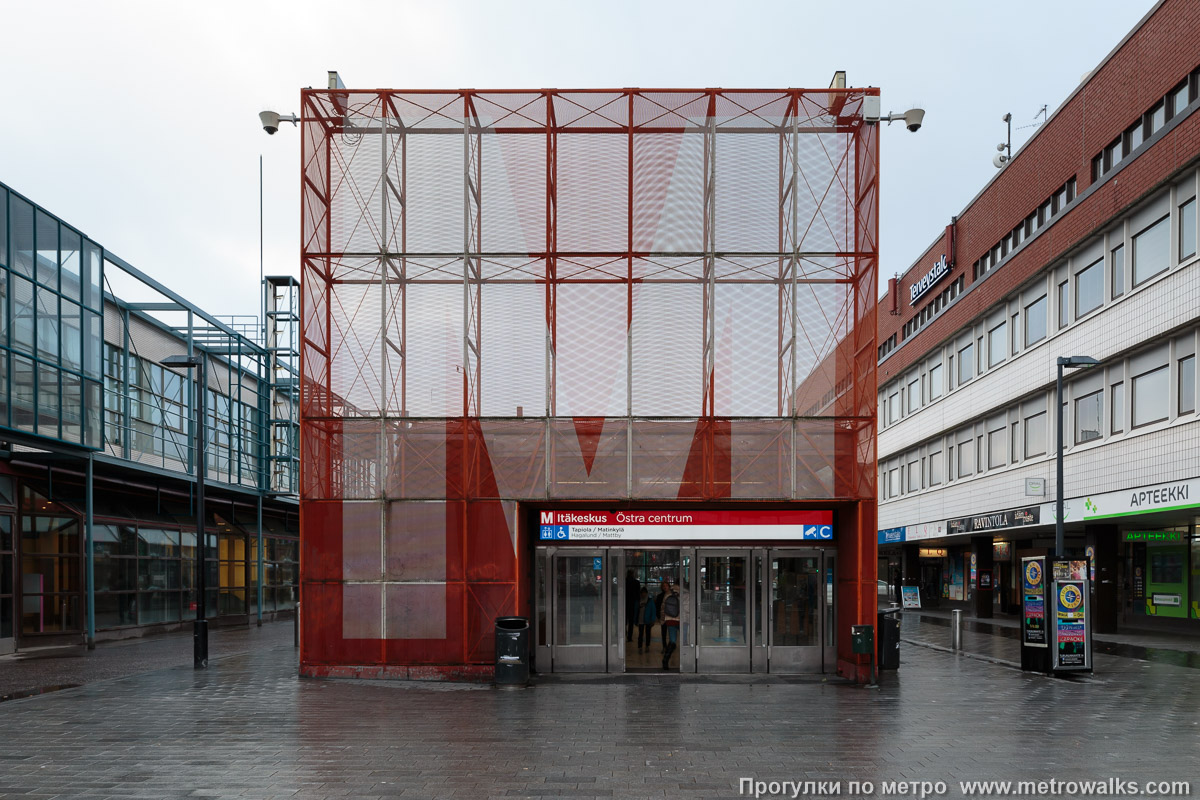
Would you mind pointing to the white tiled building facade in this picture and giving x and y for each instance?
(1108, 270)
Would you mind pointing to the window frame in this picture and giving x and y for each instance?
(1045, 320)
(1097, 395)
(999, 434)
(1116, 403)
(992, 360)
(1064, 304)
(1186, 383)
(967, 361)
(1165, 220)
(1097, 268)
(1041, 416)
(1133, 397)
(1118, 270)
(1187, 230)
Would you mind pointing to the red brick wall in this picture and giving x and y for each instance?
(1152, 61)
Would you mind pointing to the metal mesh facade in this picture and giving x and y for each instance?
(541, 296)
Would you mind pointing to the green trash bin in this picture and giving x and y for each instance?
(862, 640)
(512, 651)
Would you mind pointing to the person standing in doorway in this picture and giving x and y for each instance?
(670, 622)
(646, 617)
(633, 588)
(658, 601)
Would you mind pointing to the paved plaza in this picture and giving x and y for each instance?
(249, 727)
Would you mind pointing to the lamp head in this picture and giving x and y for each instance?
(1077, 361)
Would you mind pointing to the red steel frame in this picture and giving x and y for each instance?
(412, 537)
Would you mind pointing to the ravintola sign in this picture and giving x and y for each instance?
(939, 270)
(677, 526)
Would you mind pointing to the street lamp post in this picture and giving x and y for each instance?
(200, 625)
(1063, 361)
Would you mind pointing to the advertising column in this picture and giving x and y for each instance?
(1034, 645)
(1071, 623)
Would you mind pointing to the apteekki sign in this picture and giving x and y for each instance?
(682, 526)
(1153, 536)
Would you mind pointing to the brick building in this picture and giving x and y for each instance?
(1084, 244)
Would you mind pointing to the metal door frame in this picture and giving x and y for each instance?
(760, 653)
(573, 658)
(733, 659)
(797, 659)
(9, 644)
(614, 565)
(687, 617)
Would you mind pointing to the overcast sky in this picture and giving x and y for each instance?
(137, 121)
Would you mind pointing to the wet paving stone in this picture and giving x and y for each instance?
(249, 727)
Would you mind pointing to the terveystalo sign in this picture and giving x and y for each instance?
(939, 270)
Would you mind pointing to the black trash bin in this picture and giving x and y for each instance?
(512, 651)
(888, 641)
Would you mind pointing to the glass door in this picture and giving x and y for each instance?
(8, 579)
(580, 618)
(51, 561)
(723, 611)
(794, 632)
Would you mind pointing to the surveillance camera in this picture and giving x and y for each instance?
(913, 118)
(270, 121)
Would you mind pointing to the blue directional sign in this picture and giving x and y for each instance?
(547, 532)
(562, 532)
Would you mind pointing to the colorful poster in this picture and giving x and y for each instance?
(1033, 604)
(1033, 573)
(910, 596)
(1070, 625)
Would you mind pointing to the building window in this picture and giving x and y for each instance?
(1089, 412)
(1117, 403)
(1134, 135)
(893, 408)
(966, 458)
(914, 395)
(914, 476)
(1150, 395)
(1187, 229)
(997, 448)
(1113, 154)
(1158, 117)
(1035, 321)
(1118, 271)
(997, 345)
(893, 482)
(1178, 98)
(1035, 435)
(1187, 385)
(1064, 310)
(935, 468)
(1150, 251)
(935, 381)
(966, 362)
(1089, 289)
